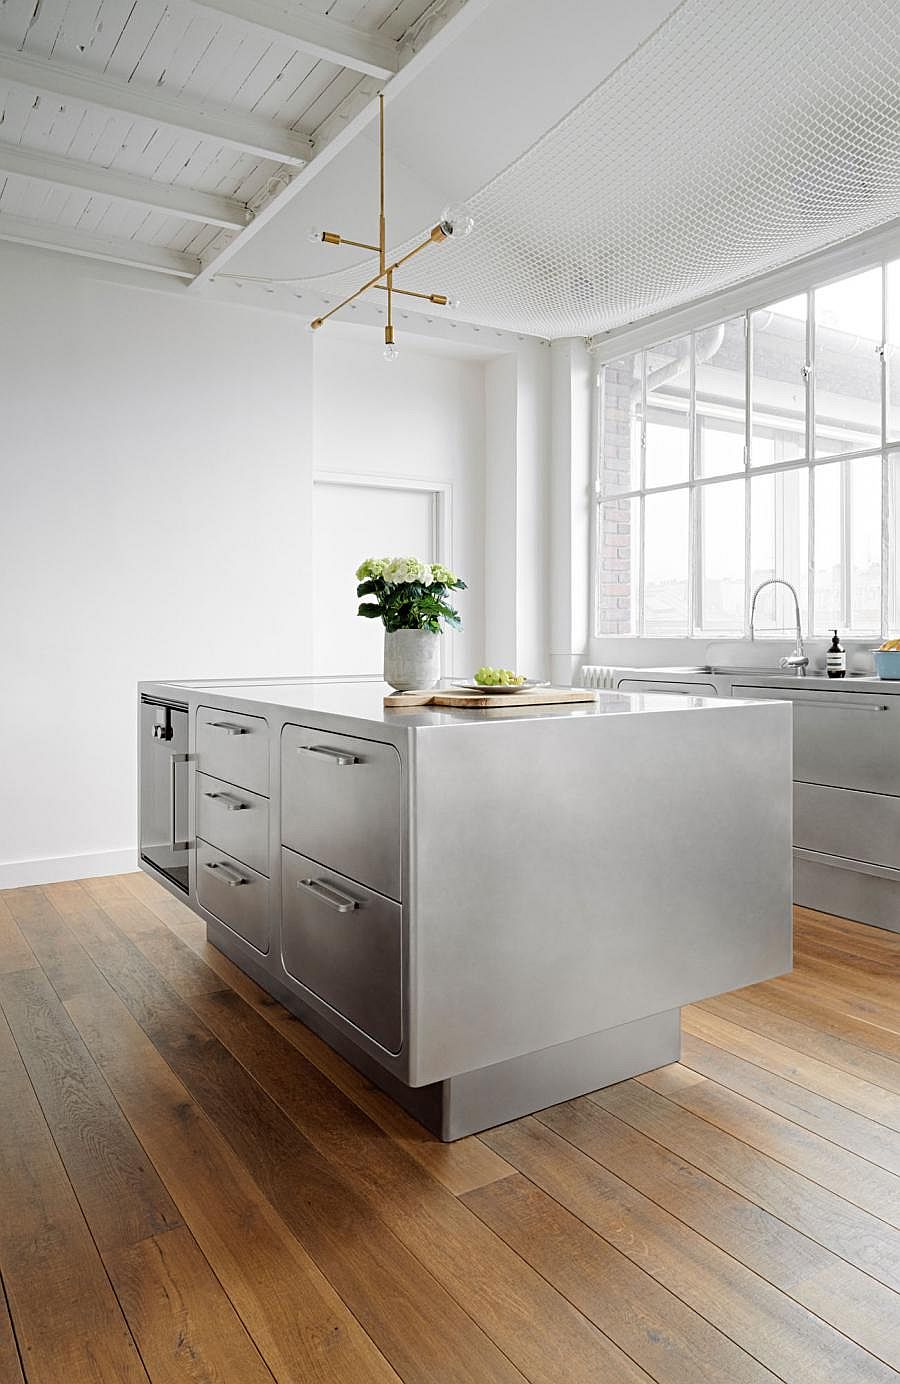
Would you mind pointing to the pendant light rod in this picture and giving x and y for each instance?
(454, 221)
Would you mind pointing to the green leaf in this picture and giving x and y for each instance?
(371, 612)
(367, 588)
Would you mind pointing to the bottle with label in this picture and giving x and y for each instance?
(836, 659)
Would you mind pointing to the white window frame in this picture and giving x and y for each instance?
(799, 280)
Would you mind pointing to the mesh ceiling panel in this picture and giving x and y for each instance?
(742, 135)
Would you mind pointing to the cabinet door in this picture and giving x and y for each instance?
(341, 804)
(344, 944)
(842, 739)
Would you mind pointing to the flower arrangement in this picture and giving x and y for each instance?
(408, 594)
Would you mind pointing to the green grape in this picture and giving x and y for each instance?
(498, 677)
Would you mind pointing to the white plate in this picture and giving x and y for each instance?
(502, 689)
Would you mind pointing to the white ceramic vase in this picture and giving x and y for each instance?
(412, 659)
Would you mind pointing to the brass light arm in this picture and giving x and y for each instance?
(436, 235)
(439, 299)
(332, 238)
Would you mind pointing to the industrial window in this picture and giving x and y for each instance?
(767, 445)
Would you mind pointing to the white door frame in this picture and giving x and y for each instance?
(441, 521)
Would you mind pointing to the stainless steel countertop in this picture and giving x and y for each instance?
(362, 700)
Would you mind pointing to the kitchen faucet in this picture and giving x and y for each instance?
(798, 660)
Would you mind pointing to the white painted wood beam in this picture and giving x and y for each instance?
(183, 202)
(232, 129)
(48, 236)
(312, 33)
(413, 68)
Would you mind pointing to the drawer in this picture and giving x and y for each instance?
(234, 819)
(838, 821)
(344, 943)
(234, 747)
(843, 739)
(682, 689)
(235, 894)
(341, 804)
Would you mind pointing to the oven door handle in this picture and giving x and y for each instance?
(174, 760)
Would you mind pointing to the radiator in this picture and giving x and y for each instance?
(597, 675)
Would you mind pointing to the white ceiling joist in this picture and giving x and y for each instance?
(465, 14)
(232, 129)
(183, 202)
(132, 253)
(312, 33)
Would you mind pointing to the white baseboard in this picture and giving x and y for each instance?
(15, 874)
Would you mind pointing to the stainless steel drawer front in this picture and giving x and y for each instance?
(341, 805)
(234, 747)
(344, 944)
(234, 819)
(843, 739)
(235, 894)
(841, 822)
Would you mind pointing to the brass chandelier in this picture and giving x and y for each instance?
(455, 221)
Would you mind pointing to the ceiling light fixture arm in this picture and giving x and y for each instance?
(454, 221)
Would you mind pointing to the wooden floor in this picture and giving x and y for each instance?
(193, 1187)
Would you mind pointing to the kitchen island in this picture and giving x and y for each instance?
(487, 912)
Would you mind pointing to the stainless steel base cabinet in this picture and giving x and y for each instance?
(343, 943)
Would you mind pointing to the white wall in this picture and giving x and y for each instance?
(422, 416)
(156, 467)
(156, 464)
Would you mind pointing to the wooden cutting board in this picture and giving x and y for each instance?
(480, 701)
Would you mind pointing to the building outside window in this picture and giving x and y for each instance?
(764, 446)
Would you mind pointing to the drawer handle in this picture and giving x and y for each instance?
(336, 757)
(836, 706)
(229, 727)
(231, 876)
(341, 903)
(228, 801)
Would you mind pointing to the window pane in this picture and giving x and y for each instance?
(779, 545)
(863, 488)
(620, 425)
(777, 384)
(827, 600)
(720, 355)
(617, 563)
(848, 321)
(892, 352)
(666, 549)
(668, 397)
(722, 528)
(894, 549)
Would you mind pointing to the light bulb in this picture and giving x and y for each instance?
(314, 235)
(391, 352)
(457, 220)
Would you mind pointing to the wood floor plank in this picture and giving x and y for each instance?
(514, 1305)
(857, 938)
(10, 1361)
(460, 1166)
(772, 1327)
(121, 1195)
(858, 1181)
(835, 1051)
(414, 1321)
(66, 1318)
(841, 1087)
(15, 953)
(50, 940)
(836, 1291)
(848, 1232)
(183, 1323)
(658, 1330)
(806, 1108)
(820, 1015)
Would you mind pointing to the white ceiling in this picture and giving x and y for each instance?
(619, 159)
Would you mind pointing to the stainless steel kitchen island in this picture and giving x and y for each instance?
(487, 912)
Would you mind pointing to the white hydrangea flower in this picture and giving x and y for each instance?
(406, 569)
(372, 568)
